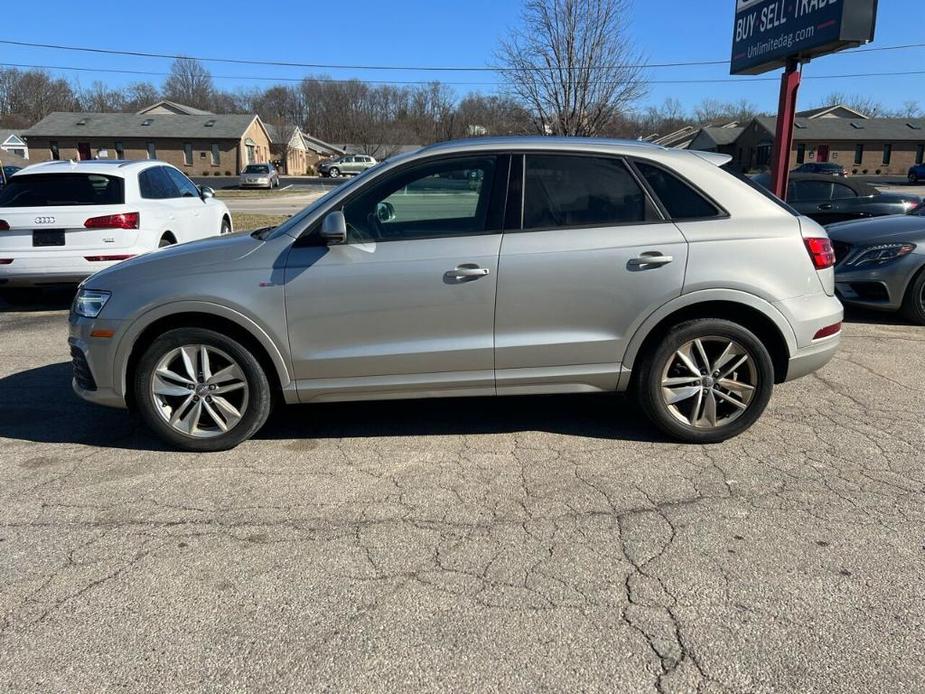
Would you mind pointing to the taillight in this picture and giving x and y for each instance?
(820, 251)
(127, 220)
(4, 226)
(828, 331)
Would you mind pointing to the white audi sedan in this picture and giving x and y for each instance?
(62, 221)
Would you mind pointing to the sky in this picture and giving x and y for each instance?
(411, 33)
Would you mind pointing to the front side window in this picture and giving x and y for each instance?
(155, 184)
(53, 190)
(562, 191)
(433, 200)
(680, 199)
(186, 187)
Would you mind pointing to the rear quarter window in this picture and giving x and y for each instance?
(62, 189)
(678, 197)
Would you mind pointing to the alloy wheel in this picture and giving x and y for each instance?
(709, 382)
(199, 390)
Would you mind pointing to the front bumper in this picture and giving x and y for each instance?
(880, 288)
(93, 358)
(255, 184)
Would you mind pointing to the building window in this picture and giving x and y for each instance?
(801, 153)
(887, 154)
(152, 151)
(919, 154)
(55, 153)
(120, 150)
(216, 155)
(187, 153)
(858, 154)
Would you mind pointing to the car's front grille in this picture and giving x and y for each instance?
(842, 250)
(82, 374)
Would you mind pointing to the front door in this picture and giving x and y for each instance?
(593, 257)
(822, 154)
(83, 151)
(406, 306)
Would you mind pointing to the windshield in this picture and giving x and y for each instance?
(257, 168)
(64, 189)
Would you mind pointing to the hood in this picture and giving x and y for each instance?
(215, 252)
(897, 227)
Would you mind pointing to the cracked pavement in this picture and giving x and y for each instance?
(523, 544)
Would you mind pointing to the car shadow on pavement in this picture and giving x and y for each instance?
(33, 300)
(38, 405)
(855, 314)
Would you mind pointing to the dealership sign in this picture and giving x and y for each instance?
(768, 32)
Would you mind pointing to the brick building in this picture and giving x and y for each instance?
(296, 153)
(197, 142)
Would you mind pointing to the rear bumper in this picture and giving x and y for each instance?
(812, 358)
(31, 269)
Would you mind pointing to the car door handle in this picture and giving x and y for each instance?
(465, 273)
(825, 206)
(650, 258)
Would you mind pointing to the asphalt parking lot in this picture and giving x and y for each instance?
(544, 544)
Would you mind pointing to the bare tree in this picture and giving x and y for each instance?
(138, 95)
(910, 109)
(98, 98)
(189, 83)
(572, 64)
(28, 96)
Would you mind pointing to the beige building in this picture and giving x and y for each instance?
(197, 142)
(838, 134)
(296, 153)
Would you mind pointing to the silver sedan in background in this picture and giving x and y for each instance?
(259, 176)
(880, 263)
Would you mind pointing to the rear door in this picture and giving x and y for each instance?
(585, 258)
(192, 215)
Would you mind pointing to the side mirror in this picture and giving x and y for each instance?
(205, 192)
(385, 211)
(334, 228)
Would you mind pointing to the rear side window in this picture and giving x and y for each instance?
(562, 191)
(680, 199)
(842, 191)
(62, 189)
(155, 184)
(812, 190)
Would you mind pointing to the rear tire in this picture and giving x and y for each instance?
(726, 395)
(913, 308)
(913, 178)
(166, 240)
(211, 398)
(334, 172)
(226, 227)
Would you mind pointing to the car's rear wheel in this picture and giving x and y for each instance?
(707, 381)
(201, 391)
(914, 302)
(166, 240)
(334, 172)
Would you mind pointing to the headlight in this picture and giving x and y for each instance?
(880, 254)
(89, 302)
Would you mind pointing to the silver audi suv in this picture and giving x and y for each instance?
(501, 266)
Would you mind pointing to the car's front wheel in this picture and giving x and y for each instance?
(707, 381)
(200, 390)
(913, 307)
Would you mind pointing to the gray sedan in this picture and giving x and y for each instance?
(880, 263)
(259, 176)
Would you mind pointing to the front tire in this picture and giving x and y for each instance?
(707, 381)
(225, 228)
(914, 301)
(200, 390)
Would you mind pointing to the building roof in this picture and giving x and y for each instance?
(852, 129)
(320, 146)
(6, 133)
(132, 125)
(833, 111)
(712, 136)
(165, 107)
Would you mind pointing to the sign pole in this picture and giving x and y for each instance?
(783, 138)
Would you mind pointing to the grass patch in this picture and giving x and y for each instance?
(245, 221)
(255, 193)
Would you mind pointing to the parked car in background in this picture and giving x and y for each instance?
(614, 273)
(827, 199)
(350, 164)
(826, 168)
(880, 263)
(916, 173)
(62, 221)
(259, 176)
(6, 172)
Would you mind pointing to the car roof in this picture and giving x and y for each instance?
(110, 167)
(540, 142)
